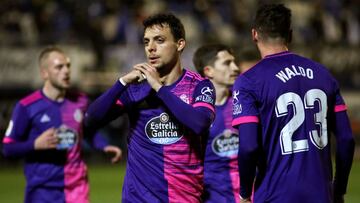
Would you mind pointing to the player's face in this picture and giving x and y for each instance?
(57, 70)
(225, 70)
(160, 47)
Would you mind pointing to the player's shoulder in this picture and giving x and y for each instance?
(31, 98)
(192, 75)
(316, 67)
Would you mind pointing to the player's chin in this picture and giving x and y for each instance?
(231, 81)
(154, 64)
(66, 85)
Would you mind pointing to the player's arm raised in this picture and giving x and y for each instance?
(198, 116)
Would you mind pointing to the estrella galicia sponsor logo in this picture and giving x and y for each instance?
(237, 108)
(161, 130)
(67, 137)
(206, 95)
(226, 144)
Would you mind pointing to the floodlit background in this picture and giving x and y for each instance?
(104, 39)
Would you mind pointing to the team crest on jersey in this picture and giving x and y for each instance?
(67, 137)
(226, 144)
(78, 115)
(206, 95)
(161, 130)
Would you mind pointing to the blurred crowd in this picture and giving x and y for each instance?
(100, 24)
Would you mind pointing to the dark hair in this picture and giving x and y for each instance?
(175, 25)
(273, 21)
(46, 51)
(207, 54)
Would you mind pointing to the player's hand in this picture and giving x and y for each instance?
(47, 140)
(151, 74)
(245, 201)
(133, 76)
(110, 149)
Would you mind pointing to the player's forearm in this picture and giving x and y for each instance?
(247, 157)
(344, 154)
(98, 111)
(18, 149)
(198, 119)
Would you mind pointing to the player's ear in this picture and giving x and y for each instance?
(254, 35)
(43, 73)
(208, 72)
(181, 44)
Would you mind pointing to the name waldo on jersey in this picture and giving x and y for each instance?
(287, 73)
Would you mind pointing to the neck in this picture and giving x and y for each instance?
(172, 76)
(53, 93)
(271, 48)
(222, 93)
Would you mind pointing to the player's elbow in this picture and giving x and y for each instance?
(202, 126)
(90, 120)
(203, 122)
(346, 141)
(247, 150)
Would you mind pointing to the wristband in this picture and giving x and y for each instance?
(122, 81)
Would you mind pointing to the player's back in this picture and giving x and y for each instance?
(295, 97)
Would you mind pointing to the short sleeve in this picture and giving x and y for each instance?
(18, 125)
(245, 109)
(204, 95)
(339, 101)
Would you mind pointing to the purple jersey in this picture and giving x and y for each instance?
(294, 100)
(58, 175)
(221, 176)
(165, 159)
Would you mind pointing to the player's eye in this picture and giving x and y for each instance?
(160, 40)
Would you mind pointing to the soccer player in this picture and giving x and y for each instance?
(47, 129)
(221, 177)
(170, 111)
(285, 108)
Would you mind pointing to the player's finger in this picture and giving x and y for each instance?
(150, 67)
(115, 151)
(142, 69)
(50, 131)
(141, 76)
